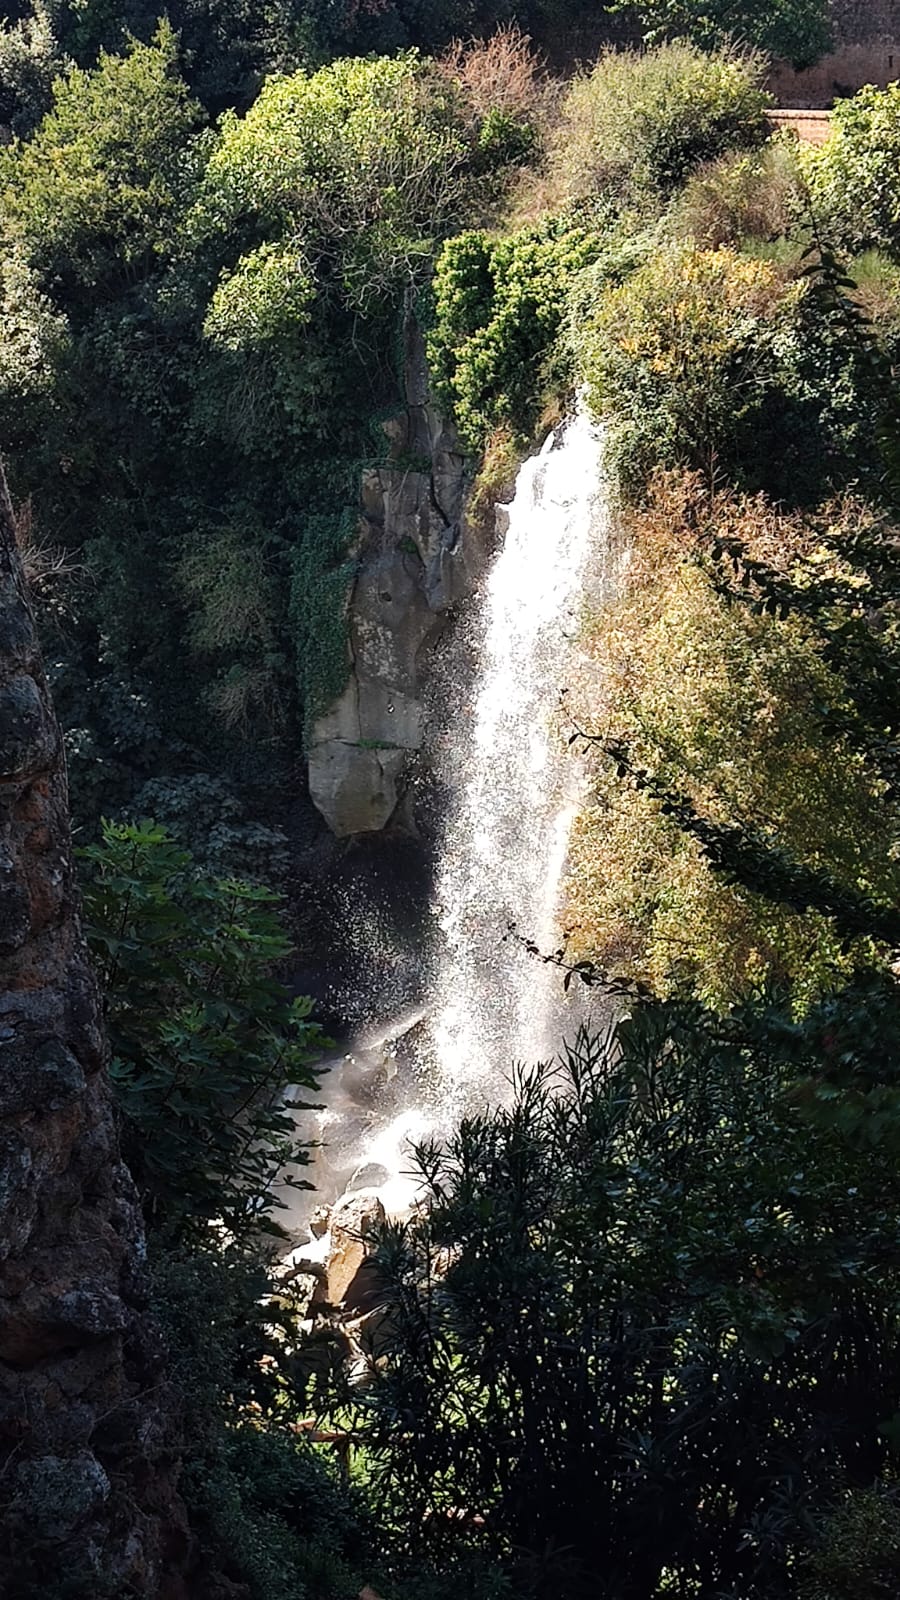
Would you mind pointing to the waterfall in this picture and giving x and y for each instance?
(513, 793)
(505, 839)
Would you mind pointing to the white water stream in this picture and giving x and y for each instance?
(505, 841)
(513, 790)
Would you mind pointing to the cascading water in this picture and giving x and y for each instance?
(513, 795)
(506, 837)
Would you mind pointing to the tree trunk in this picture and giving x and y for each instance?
(88, 1464)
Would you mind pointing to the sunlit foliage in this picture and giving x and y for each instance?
(638, 124)
(736, 708)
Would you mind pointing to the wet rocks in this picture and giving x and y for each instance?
(351, 1280)
(371, 1175)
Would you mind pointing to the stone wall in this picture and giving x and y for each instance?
(417, 559)
(867, 50)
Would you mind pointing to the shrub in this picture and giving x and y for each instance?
(645, 1321)
(499, 305)
(757, 195)
(501, 73)
(749, 715)
(683, 356)
(858, 1554)
(265, 298)
(267, 1508)
(30, 59)
(94, 196)
(36, 340)
(639, 124)
(363, 160)
(205, 1041)
(503, 80)
(853, 177)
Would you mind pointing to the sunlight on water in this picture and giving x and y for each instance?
(505, 842)
(514, 789)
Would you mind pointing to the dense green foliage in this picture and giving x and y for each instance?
(629, 134)
(499, 305)
(797, 30)
(632, 1324)
(268, 1510)
(206, 1043)
(852, 181)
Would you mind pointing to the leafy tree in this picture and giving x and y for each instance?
(94, 196)
(797, 30)
(206, 1042)
(361, 164)
(645, 1327)
(853, 177)
(30, 59)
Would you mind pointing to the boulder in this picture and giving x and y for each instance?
(369, 1176)
(351, 1280)
(354, 787)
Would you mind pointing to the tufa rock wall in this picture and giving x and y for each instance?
(417, 559)
(88, 1503)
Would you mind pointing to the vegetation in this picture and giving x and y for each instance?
(850, 180)
(642, 1339)
(797, 30)
(742, 707)
(207, 1045)
(499, 306)
(637, 125)
(641, 1364)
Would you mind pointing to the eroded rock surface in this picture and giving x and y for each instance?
(87, 1466)
(417, 559)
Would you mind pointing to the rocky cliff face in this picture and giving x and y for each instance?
(87, 1498)
(417, 559)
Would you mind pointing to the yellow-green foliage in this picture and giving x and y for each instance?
(853, 177)
(726, 706)
(639, 123)
(95, 194)
(361, 164)
(682, 353)
(34, 334)
(267, 296)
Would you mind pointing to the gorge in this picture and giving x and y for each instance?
(454, 516)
